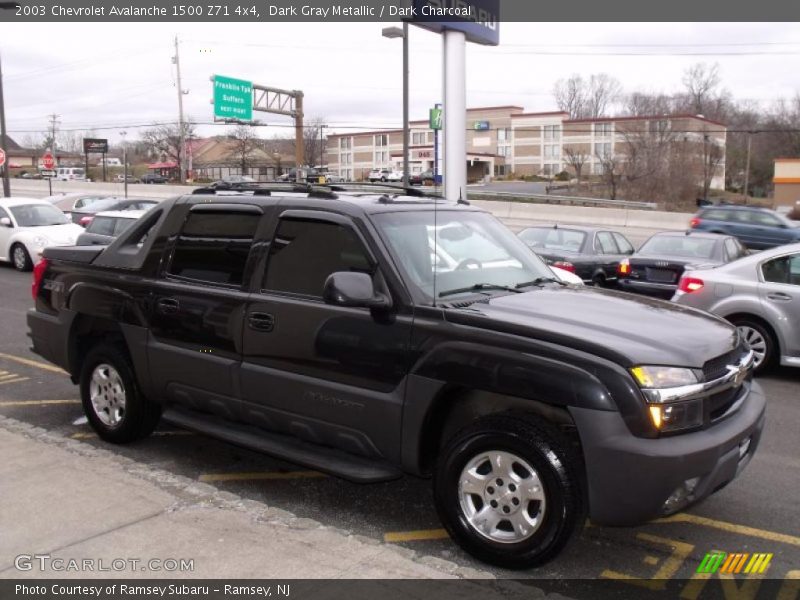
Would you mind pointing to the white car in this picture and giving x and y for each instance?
(384, 175)
(28, 226)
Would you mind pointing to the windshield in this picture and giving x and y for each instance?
(38, 215)
(683, 246)
(463, 249)
(550, 238)
(102, 204)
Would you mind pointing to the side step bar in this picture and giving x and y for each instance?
(328, 460)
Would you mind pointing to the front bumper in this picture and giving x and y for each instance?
(630, 479)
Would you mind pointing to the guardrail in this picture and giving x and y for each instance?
(567, 200)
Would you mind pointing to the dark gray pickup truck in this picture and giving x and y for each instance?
(371, 335)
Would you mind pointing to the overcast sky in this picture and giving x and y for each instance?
(121, 75)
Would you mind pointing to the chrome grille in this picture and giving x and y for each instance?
(717, 367)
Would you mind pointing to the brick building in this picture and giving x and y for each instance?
(505, 140)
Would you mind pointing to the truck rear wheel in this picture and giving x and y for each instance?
(113, 404)
(508, 490)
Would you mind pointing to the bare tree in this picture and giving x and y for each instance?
(602, 91)
(576, 159)
(612, 171)
(641, 104)
(701, 81)
(570, 96)
(244, 141)
(314, 141)
(164, 141)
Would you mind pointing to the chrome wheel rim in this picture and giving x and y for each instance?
(19, 257)
(756, 342)
(107, 394)
(502, 496)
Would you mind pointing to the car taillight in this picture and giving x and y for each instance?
(84, 222)
(694, 222)
(690, 284)
(624, 267)
(567, 266)
(38, 275)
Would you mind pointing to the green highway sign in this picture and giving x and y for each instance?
(435, 118)
(233, 98)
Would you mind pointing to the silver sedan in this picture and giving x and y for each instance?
(760, 294)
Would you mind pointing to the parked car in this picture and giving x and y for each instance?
(319, 330)
(28, 175)
(423, 178)
(311, 175)
(70, 174)
(755, 227)
(333, 177)
(76, 201)
(384, 175)
(107, 225)
(28, 226)
(658, 265)
(591, 253)
(237, 179)
(760, 294)
(120, 178)
(84, 216)
(154, 178)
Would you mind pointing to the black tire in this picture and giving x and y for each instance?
(559, 468)
(770, 343)
(383, 179)
(139, 417)
(599, 280)
(26, 264)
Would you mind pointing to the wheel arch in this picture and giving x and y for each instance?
(773, 331)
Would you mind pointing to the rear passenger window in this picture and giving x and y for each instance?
(304, 253)
(213, 247)
(716, 215)
(623, 243)
(604, 243)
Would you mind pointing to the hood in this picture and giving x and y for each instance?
(58, 235)
(628, 329)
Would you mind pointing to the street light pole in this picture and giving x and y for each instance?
(4, 138)
(125, 160)
(396, 32)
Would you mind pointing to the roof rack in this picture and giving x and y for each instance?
(318, 190)
(368, 187)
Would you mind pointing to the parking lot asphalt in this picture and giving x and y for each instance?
(758, 512)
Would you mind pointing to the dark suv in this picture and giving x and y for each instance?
(373, 335)
(754, 227)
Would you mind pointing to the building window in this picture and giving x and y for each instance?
(602, 150)
(381, 157)
(552, 151)
(602, 129)
(382, 140)
(345, 143)
(504, 150)
(418, 138)
(504, 135)
(346, 158)
(552, 132)
(660, 127)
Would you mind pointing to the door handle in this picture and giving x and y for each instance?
(167, 306)
(261, 321)
(779, 296)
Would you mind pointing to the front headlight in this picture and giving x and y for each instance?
(40, 242)
(663, 377)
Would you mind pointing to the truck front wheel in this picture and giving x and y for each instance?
(113, 404)
(508, 490)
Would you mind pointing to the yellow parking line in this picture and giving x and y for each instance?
(33, 363)
(415, 536)
(265, 475)
(37, 402)
(772, 536)
(17, 380)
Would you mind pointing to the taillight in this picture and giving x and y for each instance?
(624, 267)
(84, 222)
(38, 276)
(690, 284)
(567, 266)
(694, 222)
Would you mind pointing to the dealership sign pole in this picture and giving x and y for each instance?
(478, 22)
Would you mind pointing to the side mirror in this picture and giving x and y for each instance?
(347, 288)
(6, 222)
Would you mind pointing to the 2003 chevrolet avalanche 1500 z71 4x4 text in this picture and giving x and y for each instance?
(369, 335)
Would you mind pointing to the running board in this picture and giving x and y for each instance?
(322, 458)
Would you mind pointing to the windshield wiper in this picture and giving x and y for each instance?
(539, 281)
(479, 287)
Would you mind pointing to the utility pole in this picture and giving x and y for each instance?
(125, 160)
(181, 132)
(54, 123)
(3, 137)
(747, 168)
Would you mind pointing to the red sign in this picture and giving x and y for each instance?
(48, 162)
(2, 157)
